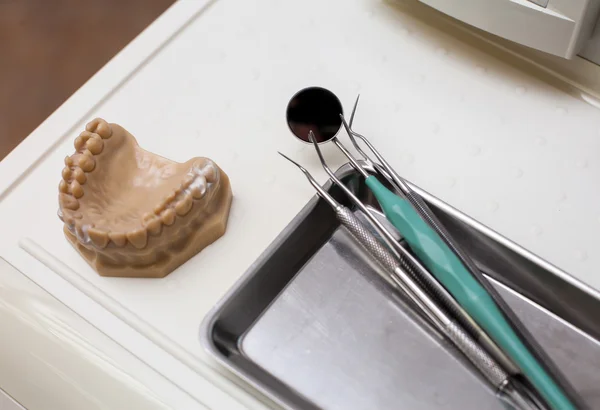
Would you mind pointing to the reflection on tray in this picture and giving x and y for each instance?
(313, 322)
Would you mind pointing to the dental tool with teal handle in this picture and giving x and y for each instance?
(506, 387)
(444, 264)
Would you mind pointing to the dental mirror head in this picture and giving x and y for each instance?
(314, 109)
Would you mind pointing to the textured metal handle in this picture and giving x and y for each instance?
(399, 270)
(476, 355)
(367, 239)
(482, 360)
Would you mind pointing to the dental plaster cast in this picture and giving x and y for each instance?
(132, 213)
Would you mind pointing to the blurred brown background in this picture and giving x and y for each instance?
(50, 48)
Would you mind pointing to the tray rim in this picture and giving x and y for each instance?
(209, 320)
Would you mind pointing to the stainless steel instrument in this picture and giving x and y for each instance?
(316, 302)
(490, 369)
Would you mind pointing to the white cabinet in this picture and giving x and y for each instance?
(559, 27)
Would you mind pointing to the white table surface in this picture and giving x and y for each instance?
(509, 150)
(53, 359)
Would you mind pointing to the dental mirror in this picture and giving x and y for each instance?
(314, 109)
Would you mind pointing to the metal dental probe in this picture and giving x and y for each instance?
(396, 181)
(379, 168)
(447, 262)
(403, 187)
(414, 265)
(421, 207)
(407, 260)
(420, 273)
(434, 287)
(489, 368)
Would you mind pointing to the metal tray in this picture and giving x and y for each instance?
(312, 323)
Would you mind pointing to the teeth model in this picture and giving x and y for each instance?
(131, 213)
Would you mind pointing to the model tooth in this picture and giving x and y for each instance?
(91, 126)
(79, 143)
(87, 163)
(100, 127)
(69, 161)
(184, 206)
(198, 187)
(86, 135)
(63, 187)
(118, 238)
(171, 196)
(98, 237)
(138, 238)
(159, 208)
(66, 173)
(79, 175)
(153, 226)
(67, 201)
(95, 145)
(104, 130)
(210, 173)
(70, 224)
(187, 180)
(81, 233)
(168, 217)
(76, 189)
(152, 223)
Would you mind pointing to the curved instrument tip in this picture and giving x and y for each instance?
(289, 159)
(354, 110)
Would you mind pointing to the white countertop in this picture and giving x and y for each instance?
(513, 152)
(52, 359)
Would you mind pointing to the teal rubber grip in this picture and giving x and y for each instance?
(449, 270)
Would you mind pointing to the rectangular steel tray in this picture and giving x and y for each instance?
(312, 324)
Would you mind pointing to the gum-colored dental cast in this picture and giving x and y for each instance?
(131, 213)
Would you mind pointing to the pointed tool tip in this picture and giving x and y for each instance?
(354, 110)
(284, 156)
(289, 159)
